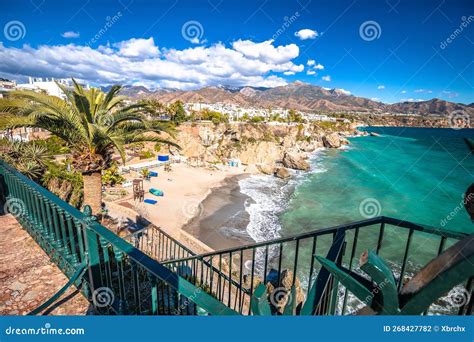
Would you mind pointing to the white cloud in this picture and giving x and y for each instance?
(306, 34)
(70, 34)
(289, 73)
(343, 91)
(411, 100)
(403, 91)
(266, 52)
(423, 91)
(316, 66)
(138, 47)
(450, 94)
(326, 78)
(140, 60)
(381, 87)
(310, 72)
(375, 99)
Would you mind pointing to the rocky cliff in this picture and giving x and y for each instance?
(261, 147)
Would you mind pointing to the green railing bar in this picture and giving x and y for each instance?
(78, 275)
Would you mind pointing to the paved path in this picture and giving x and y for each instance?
(27, 276)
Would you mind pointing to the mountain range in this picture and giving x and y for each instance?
(299, 96)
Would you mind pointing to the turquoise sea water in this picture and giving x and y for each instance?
(414, 174)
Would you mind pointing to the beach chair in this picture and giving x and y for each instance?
(156, 192)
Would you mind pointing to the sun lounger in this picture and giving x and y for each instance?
(150, 201)
(156, 192)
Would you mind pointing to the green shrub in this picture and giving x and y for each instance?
(145, 154)
(111, 176)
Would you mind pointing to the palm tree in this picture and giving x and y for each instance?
(93, 124)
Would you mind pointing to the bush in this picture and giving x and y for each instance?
(53, 145)
(145, 154)
(215, 117)
(112, 177)
(257, 119)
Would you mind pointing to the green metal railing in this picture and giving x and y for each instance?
(120, 279)
(155, 274)
(232, 274)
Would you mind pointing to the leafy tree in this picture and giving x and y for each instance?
(177, 112)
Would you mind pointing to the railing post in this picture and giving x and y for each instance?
(92, 254)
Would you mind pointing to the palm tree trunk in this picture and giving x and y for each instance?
(93, 191)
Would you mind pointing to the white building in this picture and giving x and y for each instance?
(236, 112)
(6, 86)
(48, 85)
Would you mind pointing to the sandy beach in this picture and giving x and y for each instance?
(223, 220)
(185, 188)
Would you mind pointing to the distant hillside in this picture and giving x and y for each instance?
(299, 96)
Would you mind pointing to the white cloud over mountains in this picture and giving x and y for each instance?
(141, 60)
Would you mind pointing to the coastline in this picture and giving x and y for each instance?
(222, 221)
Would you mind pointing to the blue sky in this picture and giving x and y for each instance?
(386, 50)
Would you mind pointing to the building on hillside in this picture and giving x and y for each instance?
(6, 86)
(24, 134)
(48, 85)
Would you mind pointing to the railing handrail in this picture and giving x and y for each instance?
(331, 230)
(181, 285)
(74, 212)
